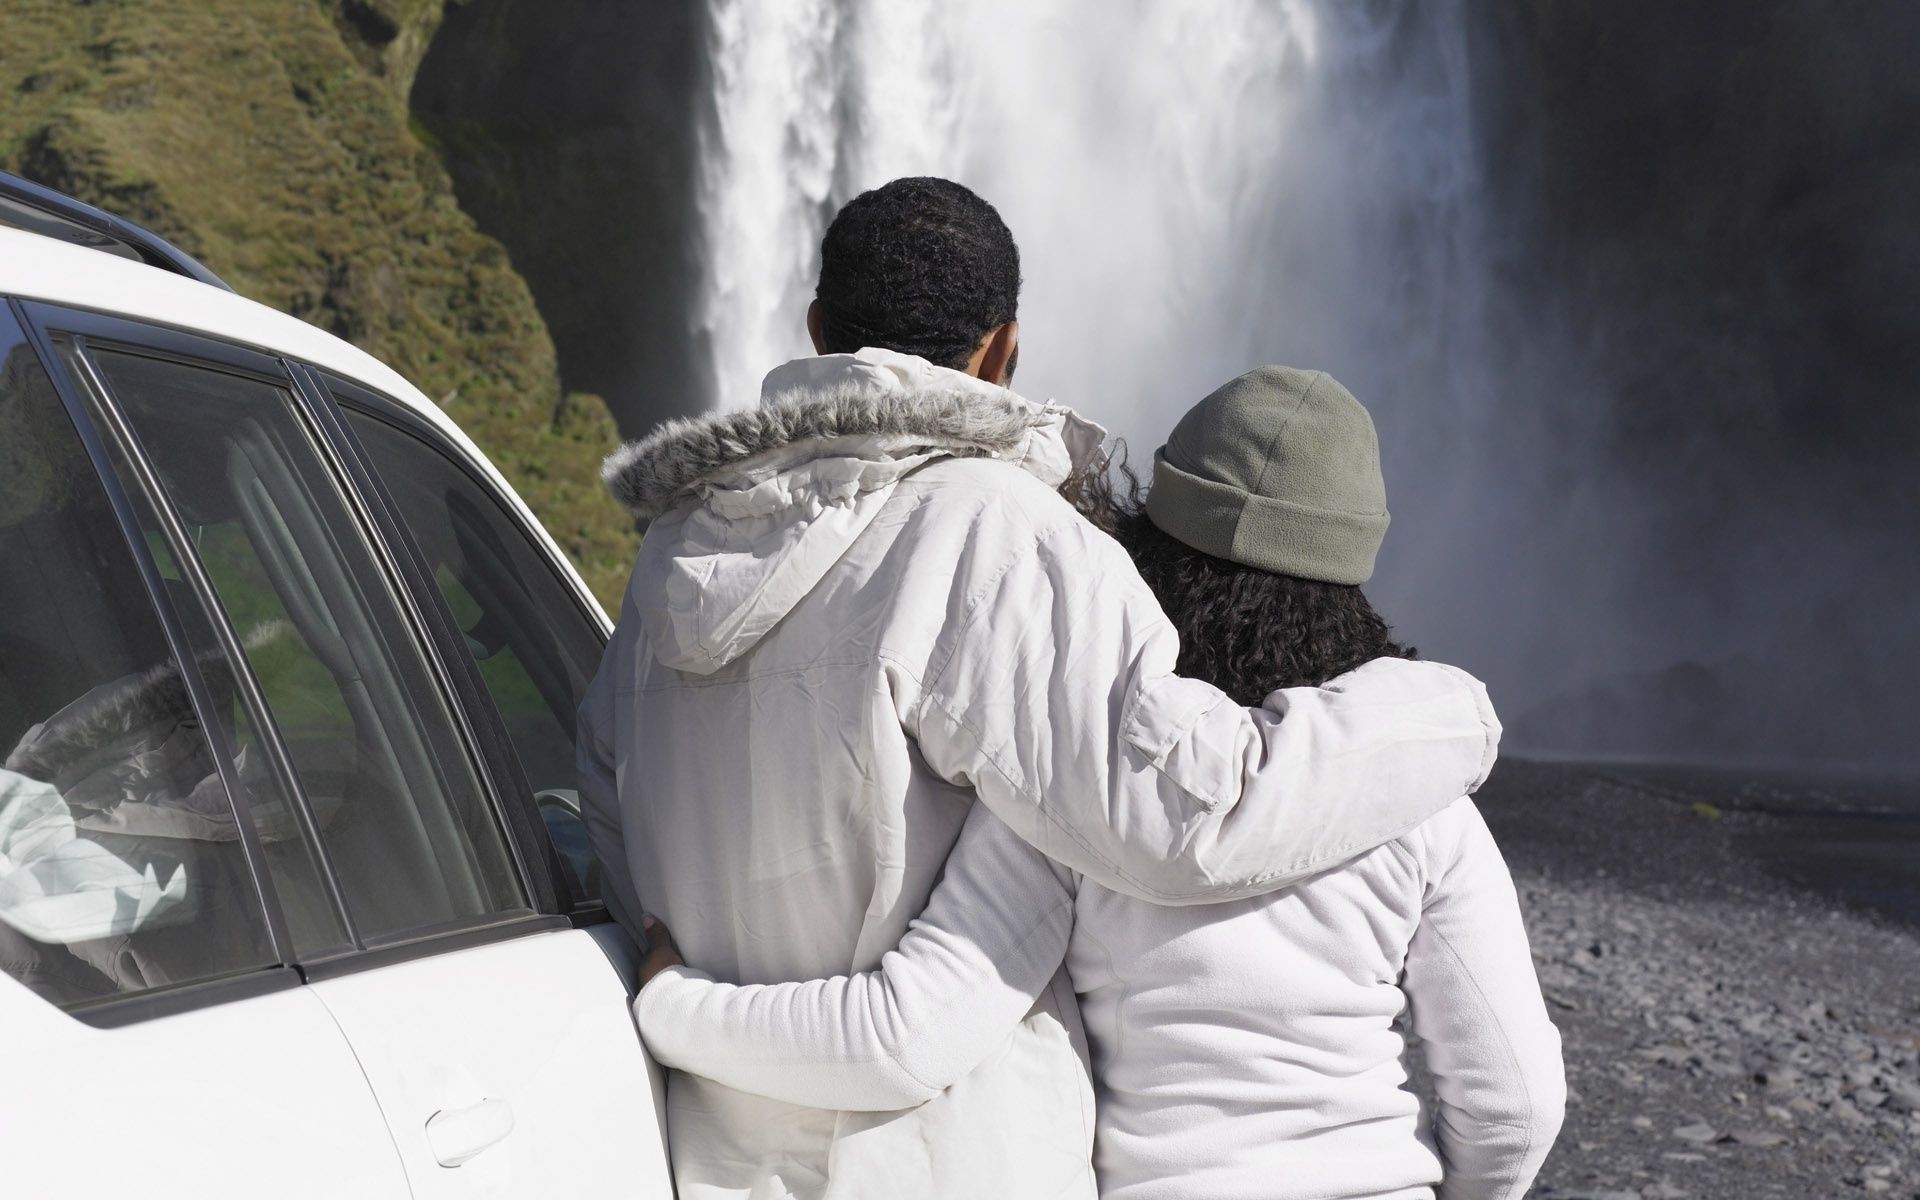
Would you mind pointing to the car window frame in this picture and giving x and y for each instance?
(486, 729)
(347, 394)
(429, 625)
(280, 975)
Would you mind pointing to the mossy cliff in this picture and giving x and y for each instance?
(272, 140)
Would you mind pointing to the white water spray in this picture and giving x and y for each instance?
(1196, 190)
(1192, 196)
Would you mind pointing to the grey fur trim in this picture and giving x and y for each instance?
(646, 476)
(117, 719)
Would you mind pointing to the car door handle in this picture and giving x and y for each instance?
(457, 1134)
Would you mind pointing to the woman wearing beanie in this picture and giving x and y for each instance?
(1242, 1050)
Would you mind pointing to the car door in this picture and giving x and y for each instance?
(157, 1040)
(426, 919)
(529, 639)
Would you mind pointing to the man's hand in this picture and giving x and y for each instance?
(661, 952)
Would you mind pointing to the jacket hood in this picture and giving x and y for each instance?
(749, 509)
(836, 397)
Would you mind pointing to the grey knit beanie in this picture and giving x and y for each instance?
(1279, 469)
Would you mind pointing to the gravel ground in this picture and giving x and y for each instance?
(1728, 1034)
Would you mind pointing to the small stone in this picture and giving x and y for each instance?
(1699, 1133)
(1783, 1079)
(1878, 1185)
(1642, 1123)
(1757, 1137)
(1904, 1096)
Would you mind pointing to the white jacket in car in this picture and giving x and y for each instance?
(862, 606)
(1243, 1051)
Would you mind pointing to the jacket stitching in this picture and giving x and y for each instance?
(975, 605)
(1020, 787)
(701, 682)
(1526, 1124)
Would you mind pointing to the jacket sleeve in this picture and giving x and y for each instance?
(1054, 696)
(1476, 1005)
(970, 967)
(600, 793)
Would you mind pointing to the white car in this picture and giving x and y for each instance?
(294, 895)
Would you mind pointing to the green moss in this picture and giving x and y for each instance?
(272, 140)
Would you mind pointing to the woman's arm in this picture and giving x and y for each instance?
(1476, 1002)
(969, 969)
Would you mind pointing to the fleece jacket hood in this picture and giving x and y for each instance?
(763, 501)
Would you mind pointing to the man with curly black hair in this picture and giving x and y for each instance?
(862, 605)
(925, 267)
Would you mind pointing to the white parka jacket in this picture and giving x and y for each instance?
(860, 607)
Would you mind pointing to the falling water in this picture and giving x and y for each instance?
(1200, 189)
(1190, 196)
(1281, 182)
(813, 101)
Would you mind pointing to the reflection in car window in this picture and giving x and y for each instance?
(397, 801)
(535, 648)
(313, 921)
(120, 864)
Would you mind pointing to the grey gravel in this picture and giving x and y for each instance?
(1728, 1035)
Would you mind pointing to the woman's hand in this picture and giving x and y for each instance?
(661, 952)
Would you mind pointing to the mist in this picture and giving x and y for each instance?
(1629, 295)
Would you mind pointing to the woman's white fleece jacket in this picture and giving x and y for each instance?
(862, 607)
(1243, 1051)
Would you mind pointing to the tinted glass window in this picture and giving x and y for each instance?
(120, 865)
(313, 919)
(397, 801)
(535, 647)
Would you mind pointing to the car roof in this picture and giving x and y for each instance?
(36, 267)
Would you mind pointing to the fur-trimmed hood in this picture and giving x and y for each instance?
(875, 398)
(750, 509)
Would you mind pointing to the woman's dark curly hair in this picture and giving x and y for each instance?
(920, 265)
(1246, 631)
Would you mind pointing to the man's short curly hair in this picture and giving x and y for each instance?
(920, 265)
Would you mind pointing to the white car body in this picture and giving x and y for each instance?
(501, 1060)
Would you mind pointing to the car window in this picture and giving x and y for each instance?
(120, 864)
(283, 832)
(398, 803)
(535, 646)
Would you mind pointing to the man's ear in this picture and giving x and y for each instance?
(993, 359)
(816, 328)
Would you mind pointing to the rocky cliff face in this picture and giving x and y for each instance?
(272, 139)
(572, 142)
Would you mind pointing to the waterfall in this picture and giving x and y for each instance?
(1284, 181)
(1191, 196)
(813, 101)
